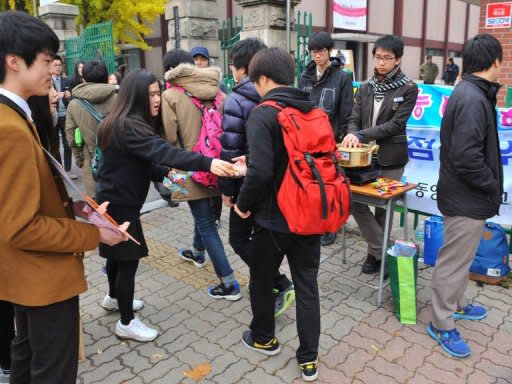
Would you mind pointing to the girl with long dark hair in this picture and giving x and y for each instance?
(133, 155)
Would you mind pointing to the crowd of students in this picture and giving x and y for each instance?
(149, 131)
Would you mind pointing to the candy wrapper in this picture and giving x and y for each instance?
(176, 182)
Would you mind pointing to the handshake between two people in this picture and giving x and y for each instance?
(238, 168)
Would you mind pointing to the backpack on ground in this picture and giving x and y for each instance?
(208, 144)
(98, 154)
(314, 195)
(491, 263)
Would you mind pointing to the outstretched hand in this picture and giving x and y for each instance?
(222, 168)
(241, 165)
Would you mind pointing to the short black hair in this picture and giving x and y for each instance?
(275, 63)
(480, 53)
(25, 36)
(450, 59)
(429, 57)
(95, 72)
(320, 40)
(390, 43)
(59, 58)
(244, 51)
(175, 57)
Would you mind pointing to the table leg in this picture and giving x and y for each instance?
(406, 211)
(387, 229)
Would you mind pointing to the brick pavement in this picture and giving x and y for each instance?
(359, 343)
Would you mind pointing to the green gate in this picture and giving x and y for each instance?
(304, 32)
(230, 35)
(96, 42)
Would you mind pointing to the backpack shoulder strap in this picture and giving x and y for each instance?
(192, 98)
(91, 109)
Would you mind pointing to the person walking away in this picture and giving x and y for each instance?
(101, 95)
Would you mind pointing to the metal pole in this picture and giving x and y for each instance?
(288, 21)
(35, 7)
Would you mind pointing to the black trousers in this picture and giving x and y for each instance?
(61, 127)
(240, 239)
(303, 254)
(45, 348)
(121, 283)
(6, 333)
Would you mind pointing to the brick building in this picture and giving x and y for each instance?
(504, 35)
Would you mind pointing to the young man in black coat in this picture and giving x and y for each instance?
(272, 71)
(237, 108)
(381, 110)
(469, 188)
(330, 89)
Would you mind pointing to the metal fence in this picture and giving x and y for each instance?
(96, 42)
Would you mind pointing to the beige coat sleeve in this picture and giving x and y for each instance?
(169, 118)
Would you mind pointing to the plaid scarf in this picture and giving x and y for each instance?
(393, 80)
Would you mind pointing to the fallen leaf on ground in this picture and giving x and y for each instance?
(199, 372)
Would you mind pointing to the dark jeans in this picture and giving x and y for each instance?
(206, 235)
(61, 127)
(303, 254)
(121, 284)
(6, 333)
(45, 349)
(240, 239)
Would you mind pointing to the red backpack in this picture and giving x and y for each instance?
(208, 142)
(314, 195)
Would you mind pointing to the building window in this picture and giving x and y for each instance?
(434, 52)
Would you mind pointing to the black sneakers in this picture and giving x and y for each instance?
(221, 291)
(328, 239)
(269, 348)
(189, 255)
(309, 370)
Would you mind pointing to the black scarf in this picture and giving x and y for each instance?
(393, 80)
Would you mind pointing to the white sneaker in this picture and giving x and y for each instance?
(110, 304)
(4, 375)
(136, 330)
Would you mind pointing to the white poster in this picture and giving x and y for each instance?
(350, 14)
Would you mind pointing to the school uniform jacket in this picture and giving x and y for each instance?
(41, 244)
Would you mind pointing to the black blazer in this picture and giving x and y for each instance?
(390, 131)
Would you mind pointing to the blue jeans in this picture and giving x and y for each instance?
(207, 237)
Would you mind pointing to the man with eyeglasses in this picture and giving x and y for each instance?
(382, 107)
(330, 89)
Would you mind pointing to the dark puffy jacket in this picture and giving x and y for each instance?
(333, 93)
(470, 173)
(234, 142)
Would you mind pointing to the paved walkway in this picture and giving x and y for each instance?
(359, 343)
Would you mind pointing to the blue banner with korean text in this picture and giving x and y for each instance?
(423, 130)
